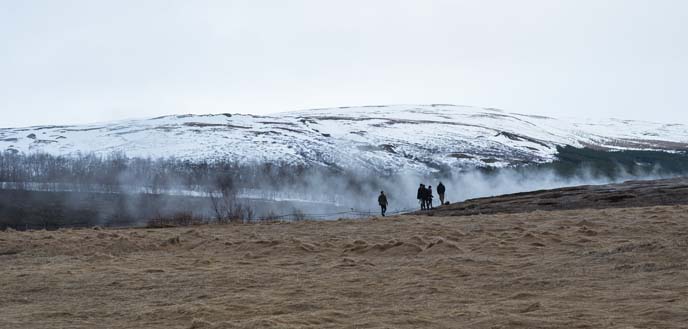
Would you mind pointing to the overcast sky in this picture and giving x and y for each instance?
(85, 61)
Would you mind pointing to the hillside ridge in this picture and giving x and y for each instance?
(418, 138)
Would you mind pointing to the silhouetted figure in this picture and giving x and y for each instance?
(429, 198)
(421, 196)
(440, 192)
(382, 200)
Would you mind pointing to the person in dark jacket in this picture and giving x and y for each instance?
(421, 196)
(440, 192)
(382, 200)
(429, 198)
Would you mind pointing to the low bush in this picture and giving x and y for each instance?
(177, 219)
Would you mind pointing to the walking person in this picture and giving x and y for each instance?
(440, 192)
(429, 205)
(382, 200)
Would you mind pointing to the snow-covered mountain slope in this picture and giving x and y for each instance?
(390, 138)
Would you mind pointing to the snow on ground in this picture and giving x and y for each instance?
(410, 137)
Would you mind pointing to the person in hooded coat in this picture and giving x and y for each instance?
(440, 192)
(421, 196)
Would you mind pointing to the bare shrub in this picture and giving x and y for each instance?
(226, 205)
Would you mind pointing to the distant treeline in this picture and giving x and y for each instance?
(115, 172)
(571, 160)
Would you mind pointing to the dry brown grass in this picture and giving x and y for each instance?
(620, 268)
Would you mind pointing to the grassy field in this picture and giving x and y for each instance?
(608, 268)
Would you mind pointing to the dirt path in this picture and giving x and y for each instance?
(610, 268)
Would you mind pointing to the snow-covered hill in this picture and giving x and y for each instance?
(420, 138)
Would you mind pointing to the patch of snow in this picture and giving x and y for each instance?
(390, 138)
